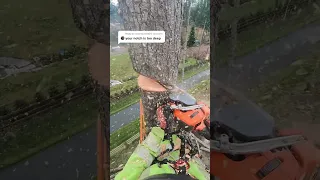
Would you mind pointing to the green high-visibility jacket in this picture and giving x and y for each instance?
(139, 165)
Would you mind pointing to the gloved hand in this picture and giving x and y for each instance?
(197, 169)
(140, 166)
(143, 156)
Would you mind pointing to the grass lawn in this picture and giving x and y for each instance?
(25, 85)
(121, 67)
(117, 106)
(39, 27)
(190, 73)
(120, 158)
(60, 124)
(257, 36)
(124, 133)
(292, 95)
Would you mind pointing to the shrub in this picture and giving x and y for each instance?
(192, 38)
(69, 85)
(85, 79)
(4, 110)
(39, 97)
(20, 104)
(53, 91)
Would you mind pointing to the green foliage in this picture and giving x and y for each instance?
(4, 110)
(69, 85)
(192, 38)
(42, 28)
(53, 91)
(20, 104)
(85, 79)
(200, 14)
(39, 97)
(124, 133)
(228, 13)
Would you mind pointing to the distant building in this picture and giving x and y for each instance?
(114, 83)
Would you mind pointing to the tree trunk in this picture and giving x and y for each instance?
(214, 11)
(92, 18)
(153, 60)
(156, 61)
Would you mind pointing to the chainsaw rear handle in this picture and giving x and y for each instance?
(223, 145)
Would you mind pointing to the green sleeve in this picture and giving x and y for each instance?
(197, 169)
(143, 156)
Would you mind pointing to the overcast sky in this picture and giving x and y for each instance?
(114, 1)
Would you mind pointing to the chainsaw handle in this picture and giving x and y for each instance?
(223, 144)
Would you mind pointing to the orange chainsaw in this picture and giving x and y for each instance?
(246, 142)
(183, 112)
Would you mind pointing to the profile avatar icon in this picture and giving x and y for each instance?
(122, 38)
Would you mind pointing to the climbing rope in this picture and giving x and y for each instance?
(142, 123)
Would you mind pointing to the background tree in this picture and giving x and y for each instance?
(114, 16)
(234, 34)
(157, 61)
(200, 14)
(186, 19)
(215, 8)
(192, 38)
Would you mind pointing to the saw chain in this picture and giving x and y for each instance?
(223, 145)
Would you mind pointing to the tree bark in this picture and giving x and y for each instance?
(156, 61)
(153, 60)
(92, 18)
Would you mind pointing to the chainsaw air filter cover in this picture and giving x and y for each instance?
(192, 117)
(246, 121)
(183, 97)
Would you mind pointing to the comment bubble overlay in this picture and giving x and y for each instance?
(141, 37)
